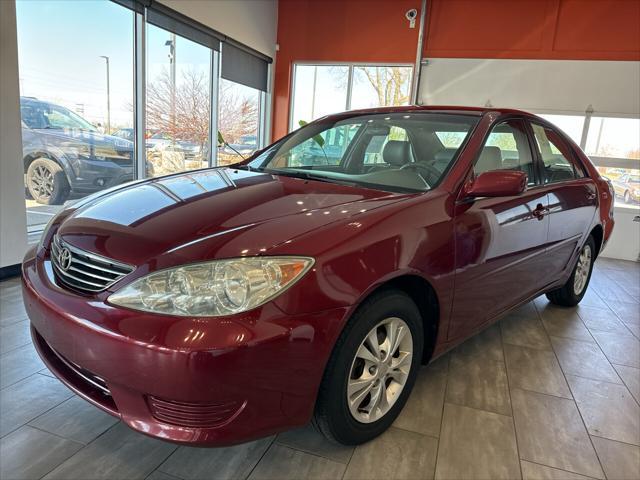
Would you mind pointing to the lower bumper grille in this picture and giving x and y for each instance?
(194, 415)
(83, 382)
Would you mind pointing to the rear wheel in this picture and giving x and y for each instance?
(47, 182)
(372, 369)
(572, 292)
(627, 197)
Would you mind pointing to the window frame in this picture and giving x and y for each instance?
(350, 76)
(574, 161)
(528, 135)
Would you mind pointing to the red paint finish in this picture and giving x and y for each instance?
(224, 380)
(500, 183)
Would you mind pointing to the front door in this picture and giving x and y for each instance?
(499, 242)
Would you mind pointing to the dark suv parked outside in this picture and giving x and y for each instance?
(63, 153)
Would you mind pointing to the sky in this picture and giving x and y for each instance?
(60, 43)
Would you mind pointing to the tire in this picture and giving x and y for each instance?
(570, 294)
(333, 415)
(47, 182)
(627, 197)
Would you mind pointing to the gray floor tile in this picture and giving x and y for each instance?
(534, 471)
(631, 378)
(119, 453)
(476, 444)
(158, 475)
(308, 439)
(280, 463)
(602, 320)
(28, 399)
(192, 463)
(485, 346)
(12, 311)
(535, 370)
(28, 453)
(584, 359)
(550, 432)
(591, 298)
(608, 409)
(634, 328)
(14, 336)
(423, 411)
(479, 384)
(19, 364)
(619, 460)
(565, 323)
(626, 311)
(619, 349)
(75, 419)
(524, 331)
(396, 454)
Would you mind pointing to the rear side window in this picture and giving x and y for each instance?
(507, 148)
(556, 155)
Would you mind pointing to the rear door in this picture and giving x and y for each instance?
(499, 242)
(572, 197)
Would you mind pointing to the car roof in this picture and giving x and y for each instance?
(477, 111)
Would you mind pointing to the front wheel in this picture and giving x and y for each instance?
(570, 294)
(47, 182)
(627, 197)
(372, 369)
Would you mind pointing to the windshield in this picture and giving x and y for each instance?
(404, 151)
(39, 115)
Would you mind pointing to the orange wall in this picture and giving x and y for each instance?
(377, 31)
(537, 29)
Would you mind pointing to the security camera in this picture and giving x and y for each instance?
(411, 16)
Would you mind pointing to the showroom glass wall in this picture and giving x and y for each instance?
(139, 93)
(323, 89)
(613, 145)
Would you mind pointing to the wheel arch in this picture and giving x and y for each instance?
(426, 299)
(29, 158)
(598, 237)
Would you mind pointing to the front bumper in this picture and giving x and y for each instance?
(189, 380)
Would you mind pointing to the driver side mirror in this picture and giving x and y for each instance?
(496, 183)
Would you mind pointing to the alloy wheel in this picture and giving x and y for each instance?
(42, 182)
(582, 270)
(380, 370)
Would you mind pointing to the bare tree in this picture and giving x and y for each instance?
(391, 84)
(238, 115)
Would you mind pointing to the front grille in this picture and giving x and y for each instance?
(194, 415)
(84, 271)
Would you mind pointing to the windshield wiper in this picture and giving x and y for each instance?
(310, 176)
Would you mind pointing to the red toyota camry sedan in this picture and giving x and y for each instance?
(311, 281)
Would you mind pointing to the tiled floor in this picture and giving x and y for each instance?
(547, 393)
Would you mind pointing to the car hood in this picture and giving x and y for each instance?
(214, 213)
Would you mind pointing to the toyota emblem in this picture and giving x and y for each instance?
(64, 259)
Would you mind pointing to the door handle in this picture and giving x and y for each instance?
(540, 211)
(591, 196)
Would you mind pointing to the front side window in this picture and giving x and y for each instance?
(393, 152)
(556, 156)
(507, 148)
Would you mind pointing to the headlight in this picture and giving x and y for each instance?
(212, 289)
